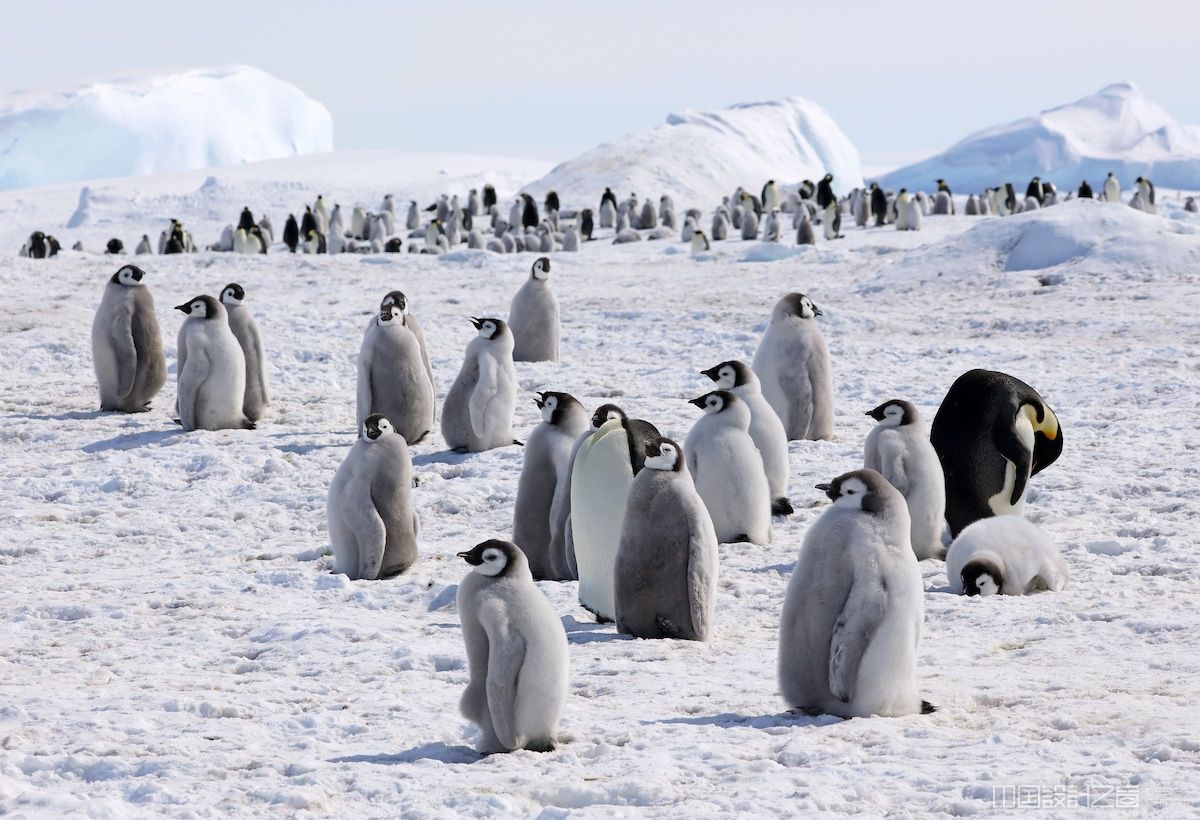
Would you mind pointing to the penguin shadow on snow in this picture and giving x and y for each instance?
(132, 441)
(729, 720)
(305, 448)
(427, 751)
(74, 415)
(591, 631)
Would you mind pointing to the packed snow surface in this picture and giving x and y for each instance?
(148, 124)
(699, 156)
(175, 643)
(1116, 129)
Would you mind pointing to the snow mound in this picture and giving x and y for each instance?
(699, 156)
(1115, 129)
(148, 124)
(1080, 236)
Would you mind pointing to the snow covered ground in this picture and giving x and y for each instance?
(175, 644)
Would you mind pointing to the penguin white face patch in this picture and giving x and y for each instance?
(853, 490)
(493, 563)
(199, 309)
(487, 329)
(541, 268)
(129, 277)
(807, 309)
(893, 415)
(665, 460)
(985, 585)
(549, 405)
(726, 378)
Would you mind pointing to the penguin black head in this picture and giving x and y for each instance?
(541, 268)
(554, 406)
(858, 490)
(714, 402)
(663, 454)
(829, 177)
(895, 413)
(730, 374)
(391, 315)
(397, 298)
(606, 413)
(492, 558)
(233, 294)
(114, 247)
(874, 186)
(797, 304)
(376, 427)
(903, 191)
(489, 328)
(982, 577)
(202, 307)
(128, 275)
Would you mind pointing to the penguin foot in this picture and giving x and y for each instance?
(781, 506)
(250, 425)
(742, 538)
(178, 421)
(927, 708)
(518, 443)
(459, 450)
(543, 745)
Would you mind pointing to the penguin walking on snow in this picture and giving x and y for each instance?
(665, 577)
(211, 369)
(792, 363)
(127, 347)
(516, 652)
(478, 412)
(547, 458)
(992, 433)
(899, 450)
(854, 607)
(372, 525)
(728, 469)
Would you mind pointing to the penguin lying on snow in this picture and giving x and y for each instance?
(1005, 555)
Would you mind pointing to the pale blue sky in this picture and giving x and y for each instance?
(549, 79)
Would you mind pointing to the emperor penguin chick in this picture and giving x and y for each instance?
(547, 460)
(241, 322)
(666, 572)
(533, 317)
(393, 374)
(1004, 555)
(854, 608)
(372, 525)
(126, 344)
(516, 652)
(899, 449)
(478, 412)
(212, 369)
(728, 469)
(792, 362)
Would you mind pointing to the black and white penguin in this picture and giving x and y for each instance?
(1112, 188)
(807, 189)
(529, 212)
(114, 247)
(552, 202)
(991, 433)
(1034, 189)
(879, 205)
(308, 222)
(586, 224)
(825, 192)
(489, 197)
(1010, 198)
(1189, 205)
(943, 204)
(246, 220)
(291, 233)
(126, 344)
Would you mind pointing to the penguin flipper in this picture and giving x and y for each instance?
(506, 656)
(126, 354)
(927, 708)
(1010, 445)
(860, 617)
(370, 536)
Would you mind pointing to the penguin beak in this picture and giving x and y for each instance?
(477, 322)
(184, 308)
(828, 490)
(817, 311)
(698, 401)
(540, 401)
(472, 557)
(711, 372)
(137, 275)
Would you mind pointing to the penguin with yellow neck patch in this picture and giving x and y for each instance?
(992, 433)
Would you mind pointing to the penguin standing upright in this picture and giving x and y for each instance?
(245, 330)
(879, 205)
(516, 652)
(529, 212)
(547, 458)
(394, 378)
(478, 412)
(825, 193)
(792, 363)
(665, 578)
(605, 465)
(1112, 188)
(944, 205)
(291, 233)
(562, 543)
(831, 221)
(586, 224)
(212, 369)
(489, 197)
(1085, 190)
(533, 318)
(898, 449)
(372, 525)
(1035, 191)
(770, 196)
(852, 616)
(127, 348)
(991, 433)
(308, 223)
(246, 220)
(728, 469)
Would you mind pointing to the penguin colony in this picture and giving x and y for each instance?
(604, 498)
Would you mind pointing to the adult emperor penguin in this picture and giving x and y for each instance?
(899, 450)
(770, 196)
(127, 350)
(991, 433)
(605, 465)
(666, 572)
(831, 221)
(516, 652)
(372, 525)
(765, 427)
(1112, 189)
(291, 233)
(1035, 190)
(699, 243)
(852, 616)
(792, 363)
(1145, 189)
(489, 197)
(478, 412)
(1085, 190)
(825, 193)
(728, 469)
(879, 205)
(245, 330)
(394, 378)
(1005, 555)
(547, 460)
(212, 369)
(940, 204)
(533, 318)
